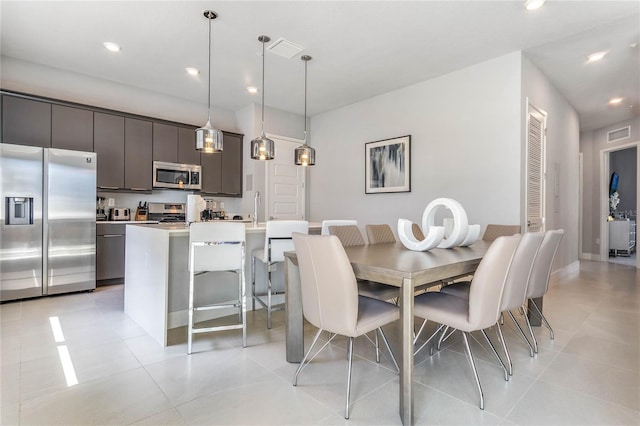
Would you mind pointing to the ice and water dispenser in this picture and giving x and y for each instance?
(18, 211)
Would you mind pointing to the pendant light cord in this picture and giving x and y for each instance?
(209, 71)
(305, 101)
(262, 124)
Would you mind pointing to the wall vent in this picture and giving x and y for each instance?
(618, 134)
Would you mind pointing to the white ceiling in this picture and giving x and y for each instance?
(360, 49)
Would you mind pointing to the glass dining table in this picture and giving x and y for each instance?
(395, 265)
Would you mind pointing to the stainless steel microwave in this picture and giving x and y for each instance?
(177, 176)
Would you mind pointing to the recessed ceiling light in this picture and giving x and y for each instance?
(533, 4)
(634, 45)
(112, 47)
(615, 101)
(595, 57)
(192, 71)
(252, 90)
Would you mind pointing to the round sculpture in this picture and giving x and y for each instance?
(457, 233)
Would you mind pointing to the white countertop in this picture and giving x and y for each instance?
(125, 222)
(182, 228)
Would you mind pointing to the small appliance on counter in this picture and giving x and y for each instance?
(142, 212)
(195, 206)
(120, 213)
(167, 212)
(100, 211)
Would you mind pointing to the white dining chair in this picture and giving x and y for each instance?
(481, 310)
(330, 299)
(335, 222)
(540, 274)
(515, 289)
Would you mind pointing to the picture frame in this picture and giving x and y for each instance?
(388, 165)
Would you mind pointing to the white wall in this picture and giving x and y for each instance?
(562, 148)
(592, 143)
(465, 137)
(39, 80)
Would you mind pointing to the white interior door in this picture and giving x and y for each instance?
(285, 182)
(536, 168)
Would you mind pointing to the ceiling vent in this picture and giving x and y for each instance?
(618, 134)
(285, 48)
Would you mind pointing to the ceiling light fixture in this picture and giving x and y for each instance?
(615, 101)
(595, 57)
(208, 139)
(111, 46)
(533, 4)
(253, 90)
(263, 148)
(304, 154)
(192, 71)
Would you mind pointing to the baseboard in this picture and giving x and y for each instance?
(181, 318)
(590, 256)
(571, 268)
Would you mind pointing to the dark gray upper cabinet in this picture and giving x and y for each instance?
(187, 153)
(232, 165)
(138, 145)
(108, 143)
(26, 122)
(211, 173)
(222, 172)
(165, 143)
(71, 128)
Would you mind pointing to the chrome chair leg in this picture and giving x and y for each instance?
(377, 346)
(253, 283)
(350, 356)
(521, 332)
(443, 337)
(473, 367)
(386, 343)
(533, 336)
(269, 295)
(544, 320)
(428, 340)
(302, 363)
(416, 335)
(495, 353)
(243, 307)
(506, 350)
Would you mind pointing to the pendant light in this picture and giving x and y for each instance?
(263, 148)
(304, 154)
(208, 139)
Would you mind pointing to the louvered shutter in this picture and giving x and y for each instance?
(535, 169)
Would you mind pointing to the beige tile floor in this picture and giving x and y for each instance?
(590, 373)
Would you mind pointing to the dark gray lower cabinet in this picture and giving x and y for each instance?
(110, 248)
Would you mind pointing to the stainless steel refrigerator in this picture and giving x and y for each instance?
(48, 221)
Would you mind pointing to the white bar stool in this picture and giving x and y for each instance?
(217, 247)
(277, 240)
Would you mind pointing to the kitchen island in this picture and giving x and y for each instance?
(156, 289)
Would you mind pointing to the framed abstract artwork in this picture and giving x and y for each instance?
(388, 165)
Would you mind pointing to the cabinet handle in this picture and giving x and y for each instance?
(140, 189)
(112, 235)
(108, 187)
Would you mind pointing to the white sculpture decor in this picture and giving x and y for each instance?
(456, 232)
